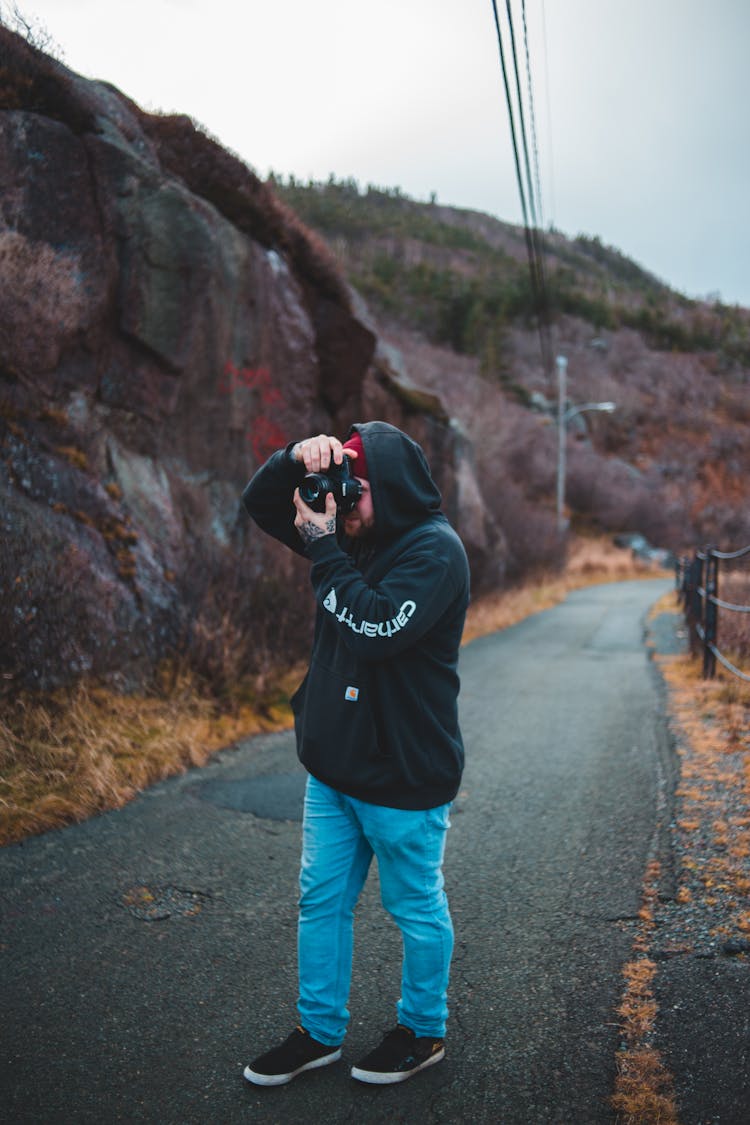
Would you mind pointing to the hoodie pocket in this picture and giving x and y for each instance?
(336, 732)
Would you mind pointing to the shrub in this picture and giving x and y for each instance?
(239, 628)
(30, 80)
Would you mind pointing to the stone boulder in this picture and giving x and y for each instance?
(165, 323)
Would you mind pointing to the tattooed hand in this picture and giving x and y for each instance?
(314, 525)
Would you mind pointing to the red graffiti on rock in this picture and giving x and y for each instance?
(264, 433)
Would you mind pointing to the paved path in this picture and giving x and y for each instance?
(148, 953)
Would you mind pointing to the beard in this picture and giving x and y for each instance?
(354, 527)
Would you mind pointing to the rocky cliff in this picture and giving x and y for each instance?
(165, 323)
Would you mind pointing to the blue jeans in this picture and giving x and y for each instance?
(340, 835)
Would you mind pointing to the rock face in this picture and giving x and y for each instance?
(165, 323)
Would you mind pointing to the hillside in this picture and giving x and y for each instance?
(450, 290)
(165, 324)
(167, 320)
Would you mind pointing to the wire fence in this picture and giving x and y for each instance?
(697, 581)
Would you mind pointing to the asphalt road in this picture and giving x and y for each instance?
(149, 953)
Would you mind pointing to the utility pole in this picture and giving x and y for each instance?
(562, 395)
(564, 415)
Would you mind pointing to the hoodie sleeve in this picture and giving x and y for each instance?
(268, 498)
(378, 622)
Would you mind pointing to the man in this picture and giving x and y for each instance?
(377, 730)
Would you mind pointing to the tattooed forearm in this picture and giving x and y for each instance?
(309, 530)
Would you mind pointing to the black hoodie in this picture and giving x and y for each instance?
(376, 716)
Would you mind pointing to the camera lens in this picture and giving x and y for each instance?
(313, 490)
(315, 487)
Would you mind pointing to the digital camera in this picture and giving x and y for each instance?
(338, 480)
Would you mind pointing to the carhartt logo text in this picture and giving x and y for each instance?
(376, 628)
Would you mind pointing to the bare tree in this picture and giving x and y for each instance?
(32, 30)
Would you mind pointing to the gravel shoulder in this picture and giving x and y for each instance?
(700, 937)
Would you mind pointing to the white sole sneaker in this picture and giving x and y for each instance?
(259, 1079)
(385, 1078)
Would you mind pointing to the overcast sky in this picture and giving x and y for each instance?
(641, 105)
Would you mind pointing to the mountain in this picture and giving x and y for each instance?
(167, 319)
(165, 323)
(450, 289)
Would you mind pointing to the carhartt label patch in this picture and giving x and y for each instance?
(329, 602)
(352, 694)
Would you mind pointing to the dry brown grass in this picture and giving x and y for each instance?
(70, 755)
(643, 1086)
(591, 561)
(643, 1094)
(67, 756)
(712, 718)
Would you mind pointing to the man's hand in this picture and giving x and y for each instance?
(314, 525)
(316, 453)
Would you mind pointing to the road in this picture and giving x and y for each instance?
(148, 953)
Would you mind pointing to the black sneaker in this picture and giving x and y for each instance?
(401, 1054)
(297, 1053)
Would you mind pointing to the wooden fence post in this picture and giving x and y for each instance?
(693, 581)
(710, 614)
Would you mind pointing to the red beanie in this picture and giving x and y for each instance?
(358, 463)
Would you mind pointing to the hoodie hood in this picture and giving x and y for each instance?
(403, 491)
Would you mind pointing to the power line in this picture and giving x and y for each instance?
(553, 208)
(511, 118)
(532, 115)
(522, 122)
(532, 236)
(537, 235)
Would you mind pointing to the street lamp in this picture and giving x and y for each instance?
(564, 415)
(571, 412)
